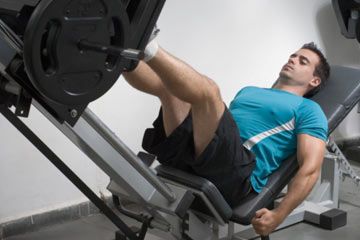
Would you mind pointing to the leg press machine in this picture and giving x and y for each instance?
(59, 55)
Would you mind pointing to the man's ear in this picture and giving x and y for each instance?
(316, 81)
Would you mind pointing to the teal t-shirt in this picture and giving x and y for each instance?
(269, 121)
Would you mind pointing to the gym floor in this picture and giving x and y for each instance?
(98, 227)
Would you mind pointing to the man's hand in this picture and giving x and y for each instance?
(266, 221)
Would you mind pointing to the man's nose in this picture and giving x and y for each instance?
(291, 60)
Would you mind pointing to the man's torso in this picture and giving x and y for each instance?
(269, 121)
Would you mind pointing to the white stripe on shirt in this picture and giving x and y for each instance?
(261, 136)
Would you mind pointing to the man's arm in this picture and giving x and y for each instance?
(310, 155)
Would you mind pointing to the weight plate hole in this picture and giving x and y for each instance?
(48, 51)
(115, 30)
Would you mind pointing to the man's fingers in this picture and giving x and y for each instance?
(258, 226)
(261, 212)
(264, 221)
(255, 221)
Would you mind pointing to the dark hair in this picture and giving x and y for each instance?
(322, 69)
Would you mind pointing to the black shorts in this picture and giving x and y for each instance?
(224, 162)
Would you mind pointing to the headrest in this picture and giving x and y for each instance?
(339, 95)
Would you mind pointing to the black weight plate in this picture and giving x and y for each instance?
(358, 31)
(53, 61)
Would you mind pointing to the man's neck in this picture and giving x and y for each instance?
(297, 90)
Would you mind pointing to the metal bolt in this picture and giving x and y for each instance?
(73, 113)
(355, 14)
(45, 52)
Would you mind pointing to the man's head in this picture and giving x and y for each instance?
(307, 68)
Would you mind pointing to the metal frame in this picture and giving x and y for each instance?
(111, 155)
(103, 147)
(53, 158)
(325, 196)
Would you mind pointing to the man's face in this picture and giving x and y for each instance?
(299, 70)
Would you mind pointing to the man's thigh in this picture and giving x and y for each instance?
(224, 161)
(171, 150)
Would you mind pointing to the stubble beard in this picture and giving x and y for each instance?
(287, 80)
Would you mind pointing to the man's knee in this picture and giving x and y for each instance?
(163, 94)
(212, 92)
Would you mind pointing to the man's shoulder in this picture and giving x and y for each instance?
(310, 105)
(245, 90)
(311, 119)
(250, 88)
(310, 109)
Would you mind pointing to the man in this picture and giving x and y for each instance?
(237, 148)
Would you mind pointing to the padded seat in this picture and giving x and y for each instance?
(337, 99)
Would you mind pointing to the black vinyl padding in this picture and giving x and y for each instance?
(255, 201)
(340, 95)
(337, 98)
(200, 184)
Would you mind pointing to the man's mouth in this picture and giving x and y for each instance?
(288, 67)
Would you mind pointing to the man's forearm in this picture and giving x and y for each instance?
(298, 190)
(310, 154)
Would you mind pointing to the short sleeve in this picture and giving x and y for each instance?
(311, 120)
(233, 103)
(242, 91)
